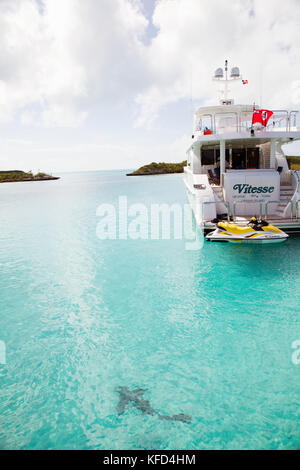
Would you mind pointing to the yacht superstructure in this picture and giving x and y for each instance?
(236, 167)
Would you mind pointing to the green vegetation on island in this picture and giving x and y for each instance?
(165, 168)
(12, 176)
(294, 162)
(159, 169)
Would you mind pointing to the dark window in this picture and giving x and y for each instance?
(245, 158)
(238, 158)
(208, 157)
(253, 158)
(212, 156)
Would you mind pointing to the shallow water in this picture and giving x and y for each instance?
(208, 333)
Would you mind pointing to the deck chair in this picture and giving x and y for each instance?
(212, 178)
(217, 172)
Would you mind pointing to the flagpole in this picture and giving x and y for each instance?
(252, 128)
(261, 85)
(226, 81)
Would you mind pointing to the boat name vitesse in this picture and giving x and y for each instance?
(249, 189)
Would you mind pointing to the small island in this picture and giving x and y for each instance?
(159, 169)
(12, 176)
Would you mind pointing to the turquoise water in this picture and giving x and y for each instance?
(208, 333)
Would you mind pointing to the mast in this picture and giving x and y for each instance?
(219, 76)
(226, 81)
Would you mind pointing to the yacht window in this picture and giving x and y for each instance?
(227, 158)
(208, 157)
(238, 159)
(253, 158)
(247, 158)
(212, 156)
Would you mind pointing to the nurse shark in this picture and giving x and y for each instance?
(135, 397)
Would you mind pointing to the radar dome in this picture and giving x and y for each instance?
(219, 73)
(235, 72)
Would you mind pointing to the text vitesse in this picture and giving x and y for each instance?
(249, 189)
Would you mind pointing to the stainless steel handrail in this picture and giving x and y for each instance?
(295, 118)
(200, 120)
(241, 125)
(285, 117)
(297, 209)
(247, 201)
(288, 201)
(262, 213)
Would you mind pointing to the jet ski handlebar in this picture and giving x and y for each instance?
(257, 224)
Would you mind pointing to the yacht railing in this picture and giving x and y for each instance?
(229, 127)
(293, 117)
(297, 210)
(280, 201)
(263, 209)
(264, 213)
(247, 201)
(280, 121)
(206, 119)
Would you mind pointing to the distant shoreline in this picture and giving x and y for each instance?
(172, 168)
(151, 174)
(159, 169)
(16, 176)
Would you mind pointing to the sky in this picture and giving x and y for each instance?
(108, 84)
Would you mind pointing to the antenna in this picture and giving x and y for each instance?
(226, 80)
(192, 103)
(261, 85)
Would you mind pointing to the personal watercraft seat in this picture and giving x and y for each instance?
(262, 225)
(232, 228)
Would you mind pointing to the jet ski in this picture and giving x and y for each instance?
(256, 231)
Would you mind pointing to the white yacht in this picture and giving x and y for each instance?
(236, 168)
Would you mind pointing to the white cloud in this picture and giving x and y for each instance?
(194, 38)
(63, 56)
(62, 61)
(60, 57)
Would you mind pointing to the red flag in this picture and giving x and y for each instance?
(256, 117)
(265, 116)
(261, 116)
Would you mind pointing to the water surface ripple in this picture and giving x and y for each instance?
(208, 333)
